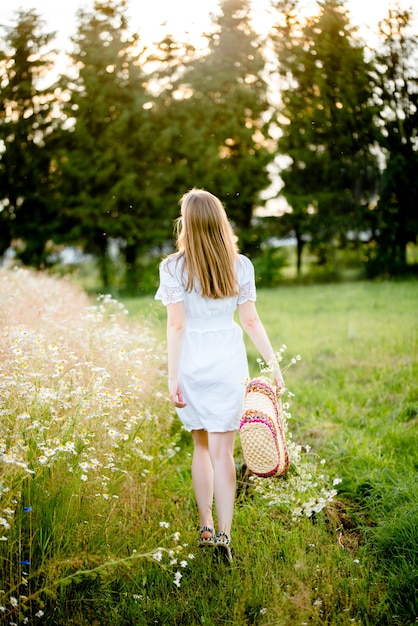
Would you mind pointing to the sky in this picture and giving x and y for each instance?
(185, 19)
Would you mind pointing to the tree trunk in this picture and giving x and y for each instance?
(299, 248)
(131, 277)
(103, 259)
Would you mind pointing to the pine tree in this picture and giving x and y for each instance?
(28, 132)
(108, 161)
(396, 217)
(218, 108)
(327, 122)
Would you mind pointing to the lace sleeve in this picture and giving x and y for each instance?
(170, 294)
(170, 290)
(247, 292)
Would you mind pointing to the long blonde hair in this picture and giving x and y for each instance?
(208, 245)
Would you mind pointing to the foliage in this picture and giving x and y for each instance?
(268, 266)
(28, 136)
(78, 426)
(306, 489)
(396, 217)
(99, 159)
(108, 161)
(326, 121)
(217, 137)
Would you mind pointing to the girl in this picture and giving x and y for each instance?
(202, 284)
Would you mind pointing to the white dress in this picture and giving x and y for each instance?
(213, 363)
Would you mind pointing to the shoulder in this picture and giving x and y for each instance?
(246, 280)
(244, 261)
(170, 261)
(171, 289)
(245, 268)
(171, 270)
(171, 264)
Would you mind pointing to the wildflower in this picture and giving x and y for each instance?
(176, 536)
(158, 555)
(337, 481)
(84, 477)
(39, 613)
(164, 524)
(183, 563)
(13, 601)
(177, 578)
(27, 509)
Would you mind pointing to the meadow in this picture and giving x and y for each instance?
(98, 523)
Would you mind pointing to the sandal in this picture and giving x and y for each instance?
(223, 548)
(204, 542)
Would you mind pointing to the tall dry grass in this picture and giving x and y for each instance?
(80, 439)
(97, 515)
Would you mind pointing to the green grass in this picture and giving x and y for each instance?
(356, 404)
(92, 543)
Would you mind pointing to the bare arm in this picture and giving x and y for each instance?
(175, 332)
(254, 327)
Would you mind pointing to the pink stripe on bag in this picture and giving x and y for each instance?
(261, 431)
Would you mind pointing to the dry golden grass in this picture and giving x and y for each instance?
(38, 300)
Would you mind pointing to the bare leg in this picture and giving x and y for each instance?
(202, 476)
(221, 448)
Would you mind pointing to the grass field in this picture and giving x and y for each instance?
(97, 516)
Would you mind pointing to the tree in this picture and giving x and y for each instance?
(396, 217)
(109, 155)
(176, 141)
(29, 214)
(326, 120)
(217, 105)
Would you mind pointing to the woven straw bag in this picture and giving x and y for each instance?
(261, 432)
